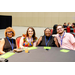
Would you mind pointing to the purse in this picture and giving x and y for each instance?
(18, 50)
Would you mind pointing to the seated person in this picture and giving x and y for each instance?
(29, 39)
(47, 39)
(8, 43)
(66, 40)
(65, 26)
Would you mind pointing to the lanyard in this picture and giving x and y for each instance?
(47, 41)
(30, 41)
(12, 44)
(62, 38)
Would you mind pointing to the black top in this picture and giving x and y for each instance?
(54, 29)
(50, 43)
(64, 26)
(7, 47)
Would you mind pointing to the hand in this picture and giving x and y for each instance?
(2, 52)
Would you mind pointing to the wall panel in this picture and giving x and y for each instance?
(40, 19)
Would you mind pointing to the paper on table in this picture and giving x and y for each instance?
(30, 48)
(64, 50)
(7, 55)
(47, 47)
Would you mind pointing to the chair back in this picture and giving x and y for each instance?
(74, 31)
(18, 41)
(68, 29)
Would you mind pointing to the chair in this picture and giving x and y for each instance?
(18, 41)
(74, 32)
(68, 29)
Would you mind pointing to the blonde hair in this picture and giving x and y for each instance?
(9, 29)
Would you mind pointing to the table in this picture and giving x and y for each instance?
(42, 55)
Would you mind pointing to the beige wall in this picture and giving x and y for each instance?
(40, 19)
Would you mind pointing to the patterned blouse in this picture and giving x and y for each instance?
(27, 43)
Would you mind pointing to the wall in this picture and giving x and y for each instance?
(40, 19)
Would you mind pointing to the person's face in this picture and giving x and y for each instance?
(30, 32)
(9, 34)
(47, 32)
(60, 30)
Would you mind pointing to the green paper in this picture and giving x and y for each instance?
(30, 48)
(64, 50)
(47, 47)
(7, 55)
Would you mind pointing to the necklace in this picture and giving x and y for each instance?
(47, 41)
(12, 44)
(61, 38)
(30, 41)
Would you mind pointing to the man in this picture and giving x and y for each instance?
(66, 40)
(65, 26)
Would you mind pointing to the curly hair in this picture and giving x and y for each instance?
(9, 29)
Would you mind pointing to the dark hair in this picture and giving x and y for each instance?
(65, 23)
(47, 28)
(34, 37)
(54, 29)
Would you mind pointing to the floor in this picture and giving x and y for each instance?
(20, 30)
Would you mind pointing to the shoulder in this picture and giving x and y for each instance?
(40, 38)
(24, 35)
(2, 41)
(13, 39)
(22, 38)
(55, 38)
(57, 35)
(35, 39)
(68, 34)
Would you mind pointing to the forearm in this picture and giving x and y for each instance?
(21, 42)
(56, 42)
(2, 52)
(2, 42)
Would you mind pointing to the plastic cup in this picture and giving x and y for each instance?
(26, 50)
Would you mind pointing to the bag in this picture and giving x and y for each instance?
(17, 50)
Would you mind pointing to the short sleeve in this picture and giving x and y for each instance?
(34, 40)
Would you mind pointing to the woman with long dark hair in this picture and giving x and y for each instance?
(28, 39)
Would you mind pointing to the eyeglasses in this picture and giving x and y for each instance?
(10, 32)
(59, 29)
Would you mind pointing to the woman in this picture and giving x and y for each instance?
(47, 39)
(8, 43)
(29, 39)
